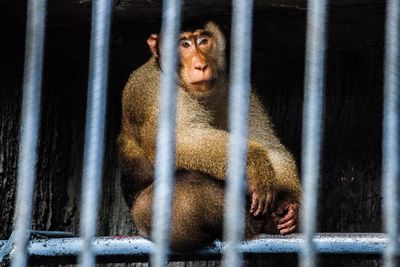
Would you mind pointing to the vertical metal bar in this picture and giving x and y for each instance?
(165, 157)
(312, 124)
(238, 122)
(95, 123)
(30, 123)
(390, 141)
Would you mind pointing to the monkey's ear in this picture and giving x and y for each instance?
(153, 44)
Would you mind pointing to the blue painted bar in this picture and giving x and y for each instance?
(165, 155)
(95, 123)
(137, 249)
(242, 15)
(312, 125)
(390, 135)
(30, 123)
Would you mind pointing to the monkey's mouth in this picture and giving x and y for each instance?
(201, 77)
(202, 82)
(203, 85)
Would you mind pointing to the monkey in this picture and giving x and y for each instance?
(274, 190)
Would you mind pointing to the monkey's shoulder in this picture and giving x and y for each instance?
(140, 95)
(144, 80)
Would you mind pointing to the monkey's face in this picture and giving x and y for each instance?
(201, 57)
(197, 68)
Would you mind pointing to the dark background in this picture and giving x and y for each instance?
(350, 196)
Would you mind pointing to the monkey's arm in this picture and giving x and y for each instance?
(136, 168)
(283, 163)
(137, 111)
(287, 180)
(205, 150)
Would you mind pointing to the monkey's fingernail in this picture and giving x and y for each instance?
(282, 226)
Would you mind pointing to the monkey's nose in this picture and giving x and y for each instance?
(201, 66)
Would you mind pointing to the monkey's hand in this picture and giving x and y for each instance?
(288, 212)
(261, 202)
(261, 180)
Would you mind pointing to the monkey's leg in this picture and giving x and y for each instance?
(197, 214)
(136, 175)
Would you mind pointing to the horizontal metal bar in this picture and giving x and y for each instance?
(119, 249)
(6, 248)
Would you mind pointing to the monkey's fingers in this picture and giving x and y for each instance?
(269, 203)
(282, 208)
(254, 202)
(287, 224)
(274, 215)
(288, 230)
(257, 204)
(290, 215)
(261, 206)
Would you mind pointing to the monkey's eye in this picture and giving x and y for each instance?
(185, 43)
(202, 41)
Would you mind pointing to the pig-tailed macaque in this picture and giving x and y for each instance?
(201, 148)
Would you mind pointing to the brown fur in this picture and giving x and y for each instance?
(201, 153)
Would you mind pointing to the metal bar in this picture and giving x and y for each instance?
(312, 124)
(95, 123)
(6, 248)
(165, 157)
(119, 249)
(30, 123)
(238, 125)
(50, 234)
(390, 136)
